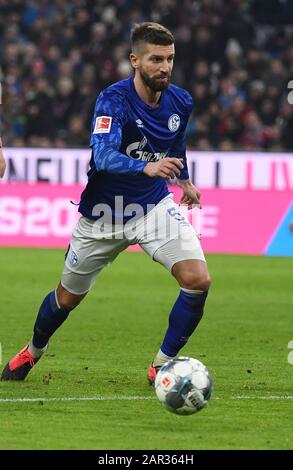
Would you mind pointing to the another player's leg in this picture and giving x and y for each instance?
(53, 311)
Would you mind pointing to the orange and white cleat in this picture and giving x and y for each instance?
(19, 366)
(152, 374)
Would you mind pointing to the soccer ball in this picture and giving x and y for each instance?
(184, 385)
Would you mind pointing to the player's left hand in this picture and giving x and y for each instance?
(191, 195)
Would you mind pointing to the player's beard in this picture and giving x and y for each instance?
(154, 83)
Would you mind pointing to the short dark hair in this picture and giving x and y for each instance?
(151, 33)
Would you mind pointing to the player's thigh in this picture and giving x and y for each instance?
(180, 249)
(169, 238)
(90, 250)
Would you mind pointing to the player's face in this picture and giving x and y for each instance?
(155, 66)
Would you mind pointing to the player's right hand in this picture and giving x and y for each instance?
(166, 168)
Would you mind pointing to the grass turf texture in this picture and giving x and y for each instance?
(107, 343)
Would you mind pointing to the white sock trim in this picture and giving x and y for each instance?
(191, 291)
(36, 352)
(161, 358)
(56, 298)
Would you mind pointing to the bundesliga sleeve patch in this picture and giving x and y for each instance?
(102, 125)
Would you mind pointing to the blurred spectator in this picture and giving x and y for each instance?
(254, 136)
(268, 112)
(226, 145)
(77, 135)
(234, 56)
(286, 122)
(203, 144)
(63, 102)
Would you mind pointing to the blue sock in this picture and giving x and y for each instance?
(184, 318)
(49, 318)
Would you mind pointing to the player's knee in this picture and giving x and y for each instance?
(195, 281)
(67, 300)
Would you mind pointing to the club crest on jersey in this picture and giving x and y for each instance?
(73, 258)
(174, 122)
(102, 125)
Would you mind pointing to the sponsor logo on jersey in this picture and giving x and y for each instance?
(136, 150)
(174, 122)
(103, 125)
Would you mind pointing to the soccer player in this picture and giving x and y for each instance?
(2, 161)
(138, 143)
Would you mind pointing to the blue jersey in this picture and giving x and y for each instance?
(126, 135)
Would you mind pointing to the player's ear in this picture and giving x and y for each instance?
(134, 60)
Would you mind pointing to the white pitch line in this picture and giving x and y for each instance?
(272, 397)
(129, 398)
(117, 398)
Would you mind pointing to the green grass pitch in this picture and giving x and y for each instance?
(104, 348)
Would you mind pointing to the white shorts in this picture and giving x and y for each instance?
(163, 233)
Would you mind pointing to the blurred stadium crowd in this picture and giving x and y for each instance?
(235, 57)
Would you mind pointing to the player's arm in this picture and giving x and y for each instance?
(2, 161)
(165, 168)
(106, 138)
(191, 195)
